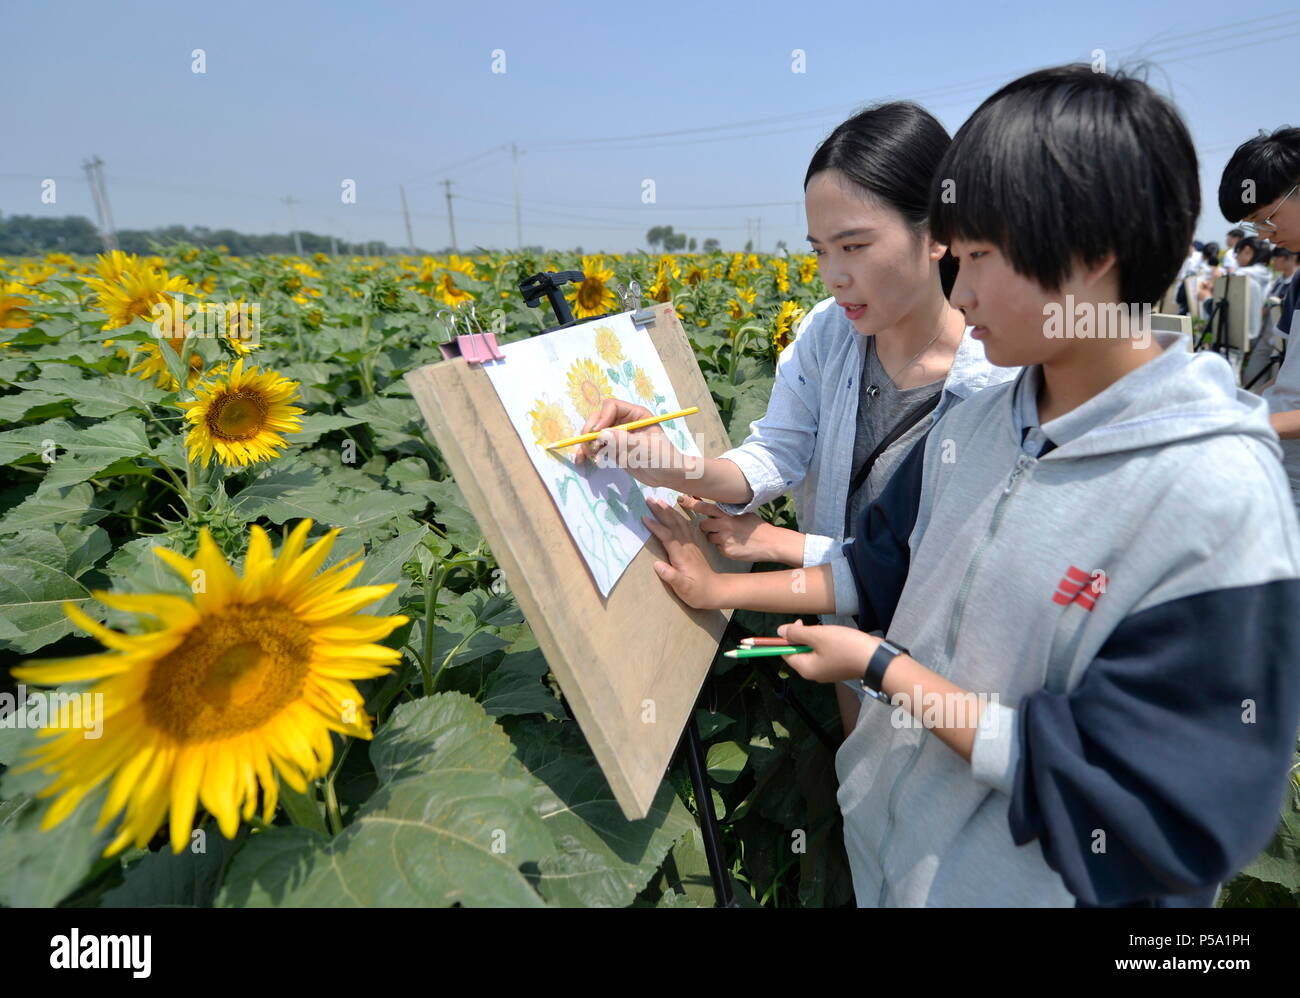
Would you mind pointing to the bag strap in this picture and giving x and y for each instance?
(903, 425)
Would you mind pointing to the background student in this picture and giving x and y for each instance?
(1272, 165)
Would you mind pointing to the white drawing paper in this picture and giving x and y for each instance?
(548, 385)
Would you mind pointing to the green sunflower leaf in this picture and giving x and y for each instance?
(451, 823)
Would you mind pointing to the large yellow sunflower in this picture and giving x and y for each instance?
(218, 694)
(587, 386)
(239, 417)
(550, 423)
(593, 296)
(133, 288)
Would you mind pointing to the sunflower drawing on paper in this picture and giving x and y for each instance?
(588, 387)
(550, 423)
(609, 346)
(550, 386)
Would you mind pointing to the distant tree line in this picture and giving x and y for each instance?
(29, 235)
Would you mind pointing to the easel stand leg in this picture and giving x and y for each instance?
(708, 817)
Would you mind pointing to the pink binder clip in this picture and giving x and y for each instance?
(477, 346)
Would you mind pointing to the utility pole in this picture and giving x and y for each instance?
(451, 218)
(290, 200)
(100, 196)
(103, 196)
(519, 227)
(410, 239)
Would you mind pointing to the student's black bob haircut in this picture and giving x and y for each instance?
(890, 151)
(1067, 162)
(1259, 172)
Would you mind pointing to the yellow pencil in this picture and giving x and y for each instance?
(634, 425)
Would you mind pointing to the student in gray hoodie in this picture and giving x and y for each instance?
(1088, 577)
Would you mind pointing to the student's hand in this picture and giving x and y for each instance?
(747, 537)
(643, 453)
(690, 575)
(837, 652)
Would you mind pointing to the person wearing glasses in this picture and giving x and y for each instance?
(1268, 167)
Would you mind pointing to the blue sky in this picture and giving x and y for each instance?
(299, 96)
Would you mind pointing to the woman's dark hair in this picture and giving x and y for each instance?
(891, 151)
(1067, 162)
(1259, 250)
(1259, 172)
(1210, 253)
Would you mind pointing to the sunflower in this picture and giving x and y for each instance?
(13, 306)
(661, 289)
(743, 304)
(35, 273)
(462, 265)
(134, 290)
(645, 388)
(219, 694)
(236, 321)
(593, 296)
(113, 265)
(786, 320)
(550, 423)
(782, 276)
(808, 269)
(240, 417)
(446, 291)
(153, 365)
(695, 274)
(587, 386)
(608, 346)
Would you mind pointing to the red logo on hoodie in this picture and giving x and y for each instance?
(1077, 586)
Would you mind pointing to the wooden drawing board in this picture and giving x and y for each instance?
(630, 665)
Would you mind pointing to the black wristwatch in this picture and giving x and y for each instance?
(875, 674)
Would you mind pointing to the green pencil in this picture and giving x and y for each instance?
(769, 650)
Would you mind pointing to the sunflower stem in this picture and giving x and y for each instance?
(332, 807)
(367, 379)
(430, 611)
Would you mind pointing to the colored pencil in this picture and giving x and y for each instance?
(636, 424)
(763, 642)
(768, 651)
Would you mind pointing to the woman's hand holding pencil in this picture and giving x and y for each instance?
(645, 453)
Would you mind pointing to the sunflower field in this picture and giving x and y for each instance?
(256, 651)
